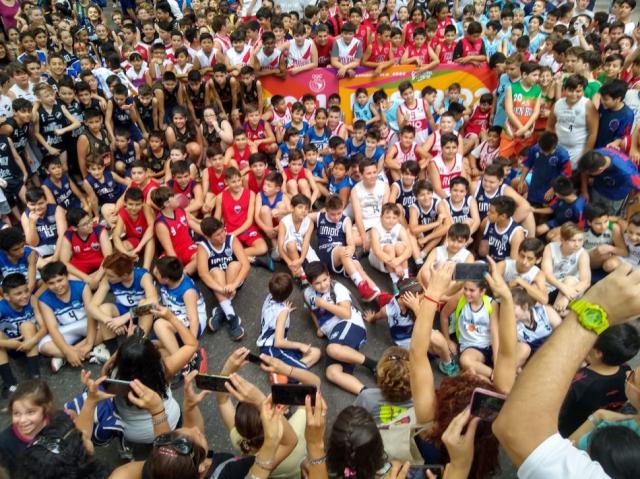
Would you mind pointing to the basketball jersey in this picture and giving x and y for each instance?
(63, 194)
(429, 216)
(524, 102)
(337, 294)
(293, 234)
(120, 117)
(178, 227)
(563, 266)
(207, 60)
(446, 52)
(133, 228)
(416, 116)
(473, 328)
(216, 182)
(422, 52)
(347, 53)
(239, 58)
(271, 309)
(67, 312)
(484, 199)
(280, 119)
(107, 190)
(542, 326)
(478, 121)
(299, 56)
(330, 234)
(500, 241)
(370, 202)
(511, 272)
(633, 258)
(50, 122)
(400, 324)
(46, 227)
(405, 198)
(380, 54)
(234, 211)
(388, 237)
(20, 135)
(442, 256)
(11, 319)
(88, 249)
(269, 62)
(446, 174)
(241, 157)
(319, 140)
(21, 266)
(130, 296)
(592, 240)
(461, 214)
(186, 191)
(219, 258)
(257, 133)
(403, 155)
(127, 157)
(173, 298)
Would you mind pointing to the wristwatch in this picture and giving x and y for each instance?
(590, 316)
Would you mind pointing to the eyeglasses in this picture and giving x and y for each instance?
(181, 445)
(52, 444)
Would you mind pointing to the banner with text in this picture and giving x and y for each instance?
(320, 82)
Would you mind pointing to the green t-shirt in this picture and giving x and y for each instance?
(592, 88)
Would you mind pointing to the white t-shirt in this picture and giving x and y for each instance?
(557, 458)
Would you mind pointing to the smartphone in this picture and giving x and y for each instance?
(292, 394)
(116, 386)
(141, 310)
(420, 472)
(254, 358)
(212, 382)
(486, 404)
(470, 271)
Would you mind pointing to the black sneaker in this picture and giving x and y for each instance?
(214, 322)
(235, 330)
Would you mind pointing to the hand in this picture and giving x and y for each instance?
(399, 470)
(496, 282)
(235, 361)
(14, 343)
(413, 301)
(271, 416)
(460, 446)
(58, 132)
(27, 345)
(453, 346)
(94, 392)
(369, 316)
(289, 307)
(441, 280)
(73, 357)
(162, 312)
(522, 187)
(548, 195)
(243, 390)
(54, 151)
(274, 365)
(144, 397)
(191, 398)
(316, 421)
(625, 303)
(83, 350)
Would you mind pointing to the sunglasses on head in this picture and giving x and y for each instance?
(181, 445)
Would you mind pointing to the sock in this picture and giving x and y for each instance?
(33, 366)
(419, 261)
(370, 364)
(227, 307)
(111, 345)
(7, 375)
(356, 278)
(394, 278)
(405, 273)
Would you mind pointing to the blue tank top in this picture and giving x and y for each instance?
(219, 258)
(46, 227)
(173, 298)
(63, 194)
(334, 188)
(483, 199)
(10, 319)
(120, 116)
(500, 242)
(362, 112)
(130, 296)
(107, 191)
(405, 198)
(70, 311)
(276, 200)
(429, 216)
(321, 141)
(330, 234)
(126, 157)
(353, 149)
(8, 267)
(462, 214)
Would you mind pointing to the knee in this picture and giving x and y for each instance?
(333, 372)
(332, 351)
(161, 326)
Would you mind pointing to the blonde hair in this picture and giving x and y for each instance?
(392, 374)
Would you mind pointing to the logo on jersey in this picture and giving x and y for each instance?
(317, 83)
(139, 229)
(95, 246)
(228, 251)
(237, 209)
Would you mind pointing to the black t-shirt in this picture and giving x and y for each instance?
(224, 466)
(589, 392)
(11, 448)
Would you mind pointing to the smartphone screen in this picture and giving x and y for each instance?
(212, 382)
(253, 358)
(293, 394)
(116, 386)
(486, 404)
(420, 472)
(470, 271)
(141, 310)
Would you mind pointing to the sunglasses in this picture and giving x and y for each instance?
(181, 445)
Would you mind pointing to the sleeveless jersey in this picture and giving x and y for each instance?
(319, 140)
(127, 157)
(280, 119)
(347, 53)
(9, 169)
(130, 296)
(473, 328)
(207, 59)
(50, 122)
(484, 199)
(416, 116)
(7, 266)
(173, 298)
(197, 99)
(97, 144)
(145, 112)
(63, 194)
(405, 198)
(461, 214)
(186, 191)
(442, 255)
(337, 293)
(299, 56)
(234, 211)
(133, 228)
(388, 237)
(541, 330)
(108, 190)
(151, 185)
(478, 121)
(402, 155)
(75, 109)
(370, 202)
(429, 216)
(400, 324)
(46, 227)
(563, 266)
(422, 52)
(120, 116)
(255, 133)
(136, 78)
(330, 234)
(471, 48)
(239, 58)
(447, 174)
(219, 257)
(271, 309)
(216, 182)
(271, 204)
(592, 240)
(178, 227)
(224, 41)
(269, 62)
(242, 158)
(11, 319)
(293, 234)
(86, 249)
(511, 272)
(380, 54)
(67, 312)
(20, 135)
(500, 241)
(446, 52)
(524, 102)
(633, 258)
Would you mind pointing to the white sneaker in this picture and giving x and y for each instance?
(56, 364)
(100, 353)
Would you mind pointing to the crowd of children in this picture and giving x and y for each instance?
(141, 159)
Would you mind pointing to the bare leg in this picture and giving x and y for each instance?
(166, 333)
(473, 360)
(348, 382)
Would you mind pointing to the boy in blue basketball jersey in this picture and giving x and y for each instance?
(333, 313)
(275, 321)
(502, 235)
(72, 332)
(20, 330)
(16, 257)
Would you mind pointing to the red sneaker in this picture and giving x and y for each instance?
(367, 292)
(384, 298)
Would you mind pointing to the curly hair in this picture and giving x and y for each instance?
(392, 375)
(355, 443)
(453, 396)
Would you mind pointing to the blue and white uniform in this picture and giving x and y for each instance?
(63, 194)
(484, 199)
(107, 190)
(128, 297)
(461, 214)
(426, 217)
(219, 258)
(173, 298)
(297, 235)
(500, 241)
(405, 198)
(11, 319)
(8, 267)
(47, 231)
(535, 337)
(330, 235)
(563, 266)
(320, 140)
(271, 309)
(71, 315)
(400, 324)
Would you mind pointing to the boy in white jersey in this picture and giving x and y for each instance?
(367, 198)
(390, 248)
(269, 60)
(294, 237)
(603, 238)
(453, 250)
(238, 56)
(275, 321)
(429, 218)
(333, 313)
(302, 54)
(523, 271)
(406, 149)
(346, 53)
(631, 245)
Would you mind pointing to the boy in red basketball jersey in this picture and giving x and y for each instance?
(212, 178)
(236, 207)
(254, 180)
(141, 178)
(172, 228)
(189, 192)
(259, 132)
(446, 47)
(84, 247)
(239, 152)
(134, 219)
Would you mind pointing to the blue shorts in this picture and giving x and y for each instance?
(136, 134)
(326, 256)
(292, 357)
(346, 333)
